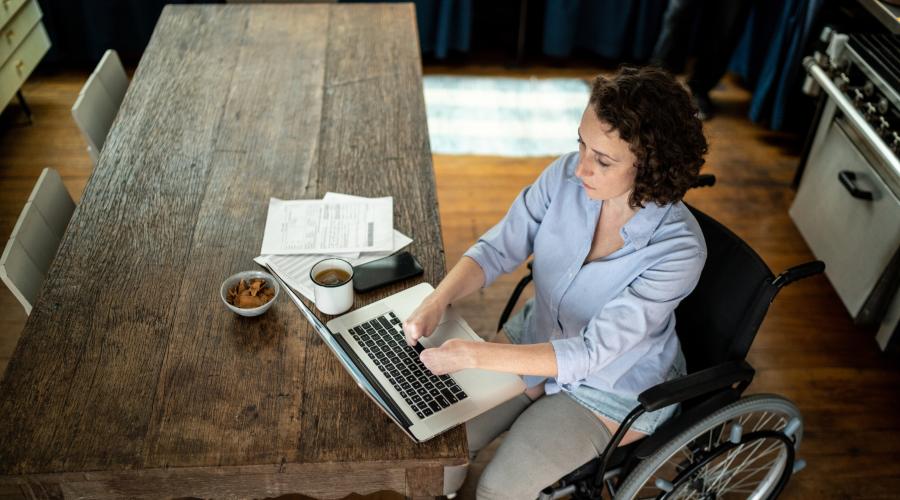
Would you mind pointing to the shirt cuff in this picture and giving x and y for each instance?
(533, 380)
(477, 253)
(572, 359)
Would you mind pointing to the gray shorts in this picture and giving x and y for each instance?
(608, 404)
(546, 439)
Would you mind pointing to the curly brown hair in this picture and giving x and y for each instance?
(655, 115)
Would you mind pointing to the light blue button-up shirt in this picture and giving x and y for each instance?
(611, 321)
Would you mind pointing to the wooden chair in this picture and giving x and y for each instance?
(36, 237)
(99, 101)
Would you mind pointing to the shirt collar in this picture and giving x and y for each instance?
(640, 228)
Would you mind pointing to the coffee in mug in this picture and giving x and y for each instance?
(332, 281)
(331, 277)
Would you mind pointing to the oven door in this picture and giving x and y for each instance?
(847, 214)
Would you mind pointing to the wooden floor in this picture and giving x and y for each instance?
(807, 350)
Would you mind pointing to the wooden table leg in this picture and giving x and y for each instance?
(424, 482)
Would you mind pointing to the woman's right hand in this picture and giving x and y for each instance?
(423, 321)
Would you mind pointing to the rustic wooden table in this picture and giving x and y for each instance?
(131, 378)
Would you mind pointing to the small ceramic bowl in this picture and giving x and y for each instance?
(248, 275)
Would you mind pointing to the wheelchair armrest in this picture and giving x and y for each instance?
(683, 421)
(696, 384)
(798, 273)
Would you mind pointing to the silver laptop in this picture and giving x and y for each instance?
(370, 344)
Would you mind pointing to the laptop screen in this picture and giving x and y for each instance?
(327, 336)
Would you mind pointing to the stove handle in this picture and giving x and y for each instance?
(855, 118)
(848, 180)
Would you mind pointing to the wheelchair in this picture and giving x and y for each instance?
(719, 444)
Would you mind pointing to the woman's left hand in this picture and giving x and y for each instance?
(453, 355)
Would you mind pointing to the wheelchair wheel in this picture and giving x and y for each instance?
(744, 450)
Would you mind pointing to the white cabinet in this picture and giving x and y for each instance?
(23, 42)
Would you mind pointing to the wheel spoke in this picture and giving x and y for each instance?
(721, 433)
(768, 464)
(750, 460)
(749, 474)
(775, 446)
(731, 453)
(757, 469)
(722, 485)
(763, 422)
(730, 457)
(749, 468)
(723, 466)
(746, 482)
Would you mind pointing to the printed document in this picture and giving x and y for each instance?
(329, 227)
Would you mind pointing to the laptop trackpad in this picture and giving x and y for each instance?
(447, 330)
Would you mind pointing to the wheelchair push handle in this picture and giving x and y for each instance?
(704, 180)
(798, 273)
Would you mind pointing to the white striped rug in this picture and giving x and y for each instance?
(504, 116)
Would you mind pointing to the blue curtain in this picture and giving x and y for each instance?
(82, 30)
(768, 58)
(444, 25)
(612, 29)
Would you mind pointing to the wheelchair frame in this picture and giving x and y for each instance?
(705, 391)
(723, 384)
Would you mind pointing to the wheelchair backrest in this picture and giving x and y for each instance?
(719, 319)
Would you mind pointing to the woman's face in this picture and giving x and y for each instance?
(605, 162)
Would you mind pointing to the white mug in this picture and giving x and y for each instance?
(332, 297)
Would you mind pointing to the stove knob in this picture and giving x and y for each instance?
(895, 144)
(883, 105)
(870, 111)
(857, 96)
(868, 89)
(842, 81)
(883, 125)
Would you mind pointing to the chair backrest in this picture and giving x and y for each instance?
(36, 237)
(719, 319)
(98, 102)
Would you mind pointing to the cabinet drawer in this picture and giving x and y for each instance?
(8, 9)
(18, 28)
(22, 62)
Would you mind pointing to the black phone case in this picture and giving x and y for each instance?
(384, 271)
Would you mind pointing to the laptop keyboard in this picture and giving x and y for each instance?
(426, 393)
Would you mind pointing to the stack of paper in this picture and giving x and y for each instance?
(334, 224)
(300, 233)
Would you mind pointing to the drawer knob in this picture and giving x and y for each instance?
(19, 65)
(9, 35)
(848, 180)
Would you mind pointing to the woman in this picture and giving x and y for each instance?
(615, 251)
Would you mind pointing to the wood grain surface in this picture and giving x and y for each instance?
(129, 365)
